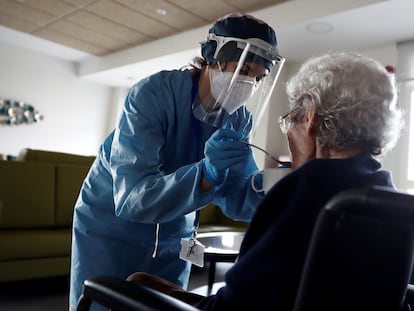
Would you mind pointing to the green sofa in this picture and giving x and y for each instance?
(37, 195)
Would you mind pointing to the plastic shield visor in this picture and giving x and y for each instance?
(247, 80)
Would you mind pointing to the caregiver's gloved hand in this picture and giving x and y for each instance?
(242, 122)
(244, 168)
(224, 151)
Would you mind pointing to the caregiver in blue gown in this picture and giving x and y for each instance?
(176, 148)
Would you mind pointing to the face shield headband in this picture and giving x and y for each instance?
(258, 47)
(244, 81)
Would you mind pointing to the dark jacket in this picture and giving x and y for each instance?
(266, 275)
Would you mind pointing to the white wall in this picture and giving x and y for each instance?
(405, 75)
(76, 112)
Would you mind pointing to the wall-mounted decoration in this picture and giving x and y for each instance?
(14, 112)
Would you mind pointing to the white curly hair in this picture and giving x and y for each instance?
(355, 99)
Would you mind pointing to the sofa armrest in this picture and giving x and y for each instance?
(213, 219)
(209, 215)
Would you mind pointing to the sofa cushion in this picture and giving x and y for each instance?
(27, 193)
(53, 157)
(31, 244)
(69, 179)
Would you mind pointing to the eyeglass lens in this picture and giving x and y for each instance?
(285, 122)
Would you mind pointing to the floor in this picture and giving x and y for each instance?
(52, 294)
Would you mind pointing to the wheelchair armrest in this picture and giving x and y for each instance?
(409, 296)
(118, 294)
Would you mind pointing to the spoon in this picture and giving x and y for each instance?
(284, 163)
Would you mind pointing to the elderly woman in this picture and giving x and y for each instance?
(342, 115)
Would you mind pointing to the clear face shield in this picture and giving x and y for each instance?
(245, 74)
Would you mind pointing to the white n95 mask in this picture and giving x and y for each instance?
(232, 94)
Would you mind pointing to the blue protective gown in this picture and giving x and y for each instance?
(141, 193)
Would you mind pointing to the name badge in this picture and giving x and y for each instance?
(192, 251)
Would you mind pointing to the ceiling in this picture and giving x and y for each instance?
(117, 42)
(101, 27)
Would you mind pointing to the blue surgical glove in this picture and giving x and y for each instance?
(244, 168)
(242, 121)
(224, 151)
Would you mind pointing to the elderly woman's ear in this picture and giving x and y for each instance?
(311, 122)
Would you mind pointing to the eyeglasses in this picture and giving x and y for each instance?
(285, 121)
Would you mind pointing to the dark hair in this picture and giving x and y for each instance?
(198, 62)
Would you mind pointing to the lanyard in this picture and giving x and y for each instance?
(195, 122)
(197, 132)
